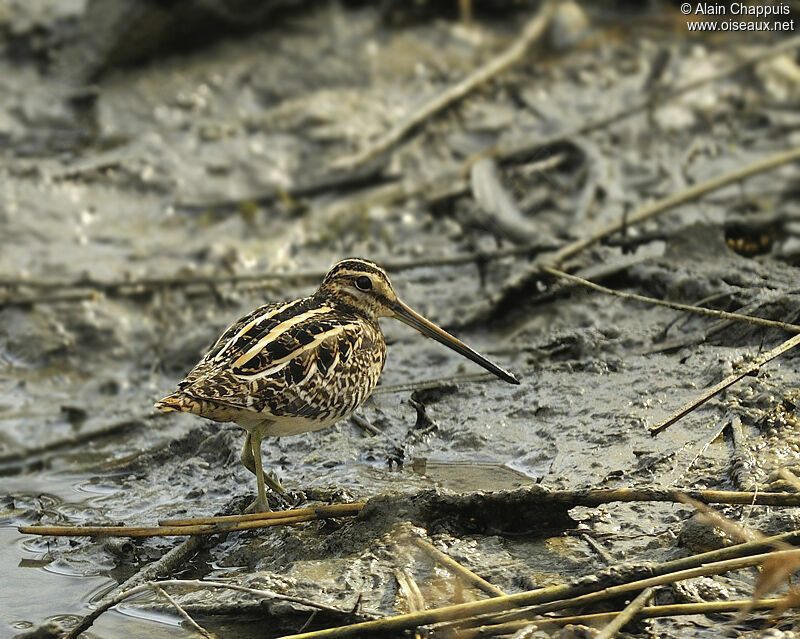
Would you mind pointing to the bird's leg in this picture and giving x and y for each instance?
(251, 460)
(261, 504)
(247, 455)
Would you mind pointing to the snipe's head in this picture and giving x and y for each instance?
(365, 287)
(362, 285)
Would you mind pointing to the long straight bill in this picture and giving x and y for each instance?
(415, 320)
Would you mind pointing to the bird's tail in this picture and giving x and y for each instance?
(172, 403)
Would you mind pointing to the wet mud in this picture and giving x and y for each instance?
(144, 195)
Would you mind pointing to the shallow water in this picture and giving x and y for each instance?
(41, 587)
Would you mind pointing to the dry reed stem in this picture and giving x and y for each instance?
(537, 497)
(762, 545)
(320, 512)
(648, 612)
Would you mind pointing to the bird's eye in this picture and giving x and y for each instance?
(363, 283)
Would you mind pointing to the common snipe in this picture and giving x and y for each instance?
(298, 366)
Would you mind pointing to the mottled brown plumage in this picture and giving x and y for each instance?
(298, 366)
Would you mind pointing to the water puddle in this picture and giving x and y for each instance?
(49, 588)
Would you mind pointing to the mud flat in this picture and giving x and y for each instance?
(152, 193)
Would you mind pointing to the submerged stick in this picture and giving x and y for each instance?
(579, 595)
(457, 569)
(109, 602)
(197, 627)
(753, 366)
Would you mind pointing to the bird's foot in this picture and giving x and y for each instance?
(271, 480)
(258, 506)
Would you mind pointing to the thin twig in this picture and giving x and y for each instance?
(601, 552)
(708, 441)
(109, 602)
(86, 622)
(676, 199)
(753, 366)
(321, 512)
(428, 384)
(702, 335)
(631, 610)
(511, 56)
(698, 310)
(552, 598)
(128, 288)
(259, 592)
(457, 569)
(200, 630)
(364, 424)
(169, 563)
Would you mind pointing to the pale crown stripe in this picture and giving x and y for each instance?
(283, 362)
(369, 265)
(275, 332)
